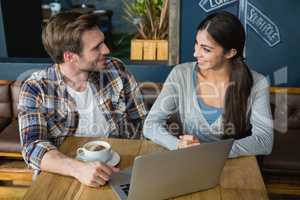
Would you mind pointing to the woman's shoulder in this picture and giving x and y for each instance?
(184, 66)
(256, 75)
(260, 81)
(183, 69)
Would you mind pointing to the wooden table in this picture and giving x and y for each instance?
(241, 178)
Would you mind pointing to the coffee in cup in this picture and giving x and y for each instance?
(95, 151)
(94, 147)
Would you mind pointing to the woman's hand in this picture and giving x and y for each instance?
(187, 141)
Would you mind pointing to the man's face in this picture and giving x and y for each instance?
(94, 53)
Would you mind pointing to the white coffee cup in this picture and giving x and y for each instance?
(90, 151)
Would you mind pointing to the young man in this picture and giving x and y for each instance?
(85, 93)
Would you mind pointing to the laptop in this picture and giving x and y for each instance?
(172, 173)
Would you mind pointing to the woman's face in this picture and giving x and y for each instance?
(209, 54)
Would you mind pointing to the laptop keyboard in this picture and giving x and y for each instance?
(125, 188)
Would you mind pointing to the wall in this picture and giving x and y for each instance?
(119, 23)
(21, 25)
(3, 51)
(273, 36)
(19, 69)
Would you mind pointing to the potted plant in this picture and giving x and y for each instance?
(150, 17)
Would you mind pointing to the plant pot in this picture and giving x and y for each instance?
(136, 50)
(162, 50)
(149, 50)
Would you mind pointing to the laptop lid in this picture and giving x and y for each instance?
(173, 173)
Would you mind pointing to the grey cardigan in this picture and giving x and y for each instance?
(179, 95)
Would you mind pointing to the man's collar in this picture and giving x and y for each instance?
(59, 74)
(60, 77)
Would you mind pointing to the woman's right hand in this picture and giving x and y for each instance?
(187, 141)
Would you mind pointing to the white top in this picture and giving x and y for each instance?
(91, 119)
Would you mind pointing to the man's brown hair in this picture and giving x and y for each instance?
(64, 31)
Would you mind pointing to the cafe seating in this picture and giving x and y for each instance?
(287, 137)
(281, 169)
(5, 112)
(15, 176)
(282, 162)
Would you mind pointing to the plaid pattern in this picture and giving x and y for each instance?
(47, 113)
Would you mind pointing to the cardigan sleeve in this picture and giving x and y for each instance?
(261, 140)
(165, 105)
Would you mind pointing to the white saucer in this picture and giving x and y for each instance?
(115, 159)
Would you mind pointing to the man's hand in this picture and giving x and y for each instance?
(94, 174)
(187, 141)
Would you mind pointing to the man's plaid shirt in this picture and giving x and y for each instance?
(47, 113)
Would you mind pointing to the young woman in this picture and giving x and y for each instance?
(217, 96)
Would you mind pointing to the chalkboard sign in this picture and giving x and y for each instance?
(273, 35)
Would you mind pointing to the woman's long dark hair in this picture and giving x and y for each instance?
(227, 30)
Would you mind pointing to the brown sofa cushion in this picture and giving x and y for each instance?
(10, 139)
(5, 101)
(285, 157)
(5, 104)
(286, 111)
(150, 92)
(15, 90)
(4, 121)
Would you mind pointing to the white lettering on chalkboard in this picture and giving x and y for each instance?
(262, 25)
(210, 5)
(255, 18)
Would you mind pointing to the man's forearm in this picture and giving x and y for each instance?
(56, 162)
(92, 174)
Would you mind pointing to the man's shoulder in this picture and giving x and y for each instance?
(118, 64)
(117, 68)
(37, 76)
(44, 74)
(40, 78)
